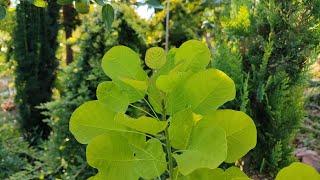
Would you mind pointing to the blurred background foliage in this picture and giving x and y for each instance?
(267, 47)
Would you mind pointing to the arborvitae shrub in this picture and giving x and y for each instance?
(270, 54)
(35, 46)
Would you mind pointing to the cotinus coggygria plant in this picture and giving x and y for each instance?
(182, 134)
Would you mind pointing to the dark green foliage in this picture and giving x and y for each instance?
(15, 154)
(64, 156)
(278, 53)
(35, 45)
(274, 51)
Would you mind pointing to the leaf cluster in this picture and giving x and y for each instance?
(182, 118)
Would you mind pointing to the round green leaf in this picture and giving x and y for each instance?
(155, 96)
(180, 129)
(192, 55)
(108, 15)
(40, 3)
(240, 129)
(64, 2)
(111, 94)
(92, 119)
(143, 124)
(3, 12)
(123, 66)
(167, 83)
(100, 2)
(232, 173)
(203, 92)
(206, 148)
(82, 7)
(117, 157)
(298, 171)
(203, 174)
(155, 57)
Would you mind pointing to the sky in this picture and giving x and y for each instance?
(144, 11)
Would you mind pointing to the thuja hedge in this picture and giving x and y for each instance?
(35, 46)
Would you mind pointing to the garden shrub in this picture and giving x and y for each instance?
(182, 118)
(274, 51)
(77, 83)
(17, 158)
(34, 47)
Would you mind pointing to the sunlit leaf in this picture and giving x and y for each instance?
(40, 3)
(202, 92)
(206, 148)
(92, 119)
(240, 129)
(167, 83)
(82, 6)
(111, 94)
(232, 173)
(121, 63)
(117, 157)
(64, 2)
(298, 171)
(192, 55)
(143, 124)
(155, 57)
(180, 129)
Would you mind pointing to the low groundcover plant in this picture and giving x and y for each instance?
(183, 134)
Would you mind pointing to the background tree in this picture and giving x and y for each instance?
(64, 156)
(267, 46)
(35, 46)
(70, 21)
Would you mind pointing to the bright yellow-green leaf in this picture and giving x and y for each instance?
(167, 83)
(117, 157)
(207, 148)
(123, 62)
(192, 55)
(136, 84)
(155, 57)
(92, 119)
(180, 129)
(202, 173)
(298, 171)
(123, 66)
(40, 3)
(240, 129)
(64, 2)
(202, 92)
(155, 97)
(143, 124)
(109, 93)
(82, 7)
(168, 66)
(233, 173)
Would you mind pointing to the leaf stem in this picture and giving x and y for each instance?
(151, 108)
(168, 146)
(141, 109)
